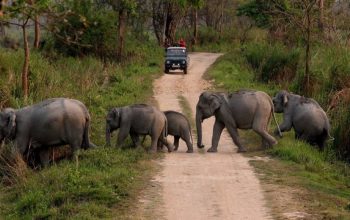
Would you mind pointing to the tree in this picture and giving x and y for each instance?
(24, 11)
(296, 16)
(196, 5)
(123, 8)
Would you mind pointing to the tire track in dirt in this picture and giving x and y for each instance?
(203, 185)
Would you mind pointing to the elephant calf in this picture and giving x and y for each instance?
(179, 127)
(136, 120)
(305, 115)
(50, 123)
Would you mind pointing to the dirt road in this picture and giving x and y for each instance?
(204, 185)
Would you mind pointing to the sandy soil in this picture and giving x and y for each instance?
(202, 185)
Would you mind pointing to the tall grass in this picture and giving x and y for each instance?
(106, 178)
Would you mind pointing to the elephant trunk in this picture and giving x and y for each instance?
(199, 129)
(108, 135)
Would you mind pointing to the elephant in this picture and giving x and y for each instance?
(50, 123)
(305, 115)
(243, 109)
(136, 120)
(179, 127)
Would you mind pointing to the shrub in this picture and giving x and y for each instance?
(272, 62)
(341, 133)
(87, 28)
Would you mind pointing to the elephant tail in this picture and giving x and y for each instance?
(190, 130)
(86, 141)
(165, 130)
(274, 118)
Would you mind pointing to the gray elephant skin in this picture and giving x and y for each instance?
(243, 109)
(305, 115)
(136, 120)
(179, 127)
(50, 123)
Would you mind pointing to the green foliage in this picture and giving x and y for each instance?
(272, 62)
(341, 134)
(85, 28)
(255, 10)
(105, 178)
(300, 152)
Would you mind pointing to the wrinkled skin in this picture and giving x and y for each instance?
(305, 115)
(244, 109)
(179, 127)
(136, 120)
(53, 122)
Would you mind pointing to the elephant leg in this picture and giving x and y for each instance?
(187, 139)
(122, 135)
(159, 146)
(44, 155)
(235, 137)
(167, 144)
(176, 142)
(261, 127)
(75, 145)
(136, 140)
(154, 143)
(217, 130)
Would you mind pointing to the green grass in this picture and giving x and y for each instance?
(318, 174)
(107, 180)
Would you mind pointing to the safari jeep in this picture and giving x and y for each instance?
(176, 58)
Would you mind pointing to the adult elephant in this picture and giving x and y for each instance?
(305, 115)
(243, 109)
(50, 123)
(136, 120)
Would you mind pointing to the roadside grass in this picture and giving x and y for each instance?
(107, 180)
(321, 181)
(186, 108)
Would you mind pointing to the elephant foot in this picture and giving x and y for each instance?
(189, 151)
(200, 145)
(152, 151)
(241, 150)
(212, 150)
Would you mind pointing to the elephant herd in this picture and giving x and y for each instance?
(62, 121)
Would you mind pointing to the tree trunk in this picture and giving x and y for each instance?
(37, 32)
(195, 29)
(121, 32)
(25, 70)
(307, 53)
(320, 18)
(158, 20)
(173, 19)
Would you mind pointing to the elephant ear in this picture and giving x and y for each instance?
(11, 122)
(215, 102)
(115, 113)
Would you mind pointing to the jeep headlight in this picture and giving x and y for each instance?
(184, 62)
(168, 62)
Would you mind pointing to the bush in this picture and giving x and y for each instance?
(272, 62)
(341, 133)
(87, 28)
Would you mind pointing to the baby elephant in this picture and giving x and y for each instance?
(305, 115)
(179, 127)
(136, 120)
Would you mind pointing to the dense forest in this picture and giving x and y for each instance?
(107, 53)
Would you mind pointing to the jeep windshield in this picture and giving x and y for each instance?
(178, 52)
